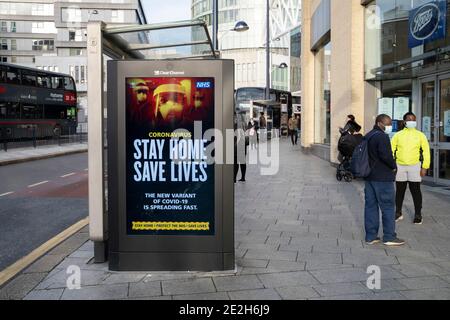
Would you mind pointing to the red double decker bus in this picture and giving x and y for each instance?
(35, 101)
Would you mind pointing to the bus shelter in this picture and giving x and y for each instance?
(125, 55)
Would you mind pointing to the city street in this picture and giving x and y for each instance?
(299, 235)
(38, 200)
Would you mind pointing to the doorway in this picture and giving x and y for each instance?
(435, 124)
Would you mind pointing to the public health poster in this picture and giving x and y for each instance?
(447, 123)
(170, 185)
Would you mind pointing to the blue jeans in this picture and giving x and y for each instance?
(380, 196)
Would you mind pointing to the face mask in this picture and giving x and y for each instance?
(388, 130)
(411, 124)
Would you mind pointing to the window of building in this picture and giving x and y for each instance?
(4, 59)
(4, 44)
(73, 14)
(238, 73)
(13, 26)
(76, 35)
(72, 71)
(77, 74)
(82, 74)
(4, 27)
(76, 52)
(43, 45)
(322, 95)
(13, 44)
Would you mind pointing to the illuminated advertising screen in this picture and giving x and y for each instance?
(170, 185)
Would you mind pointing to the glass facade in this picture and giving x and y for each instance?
(386, 34)
(322, 99)
(420, 73)
(23, 8)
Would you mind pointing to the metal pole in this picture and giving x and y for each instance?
(97, 213)
(268, 50)
(215, 23)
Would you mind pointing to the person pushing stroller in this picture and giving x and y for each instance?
(350, 139)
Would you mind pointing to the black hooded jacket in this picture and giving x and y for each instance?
(382, 160)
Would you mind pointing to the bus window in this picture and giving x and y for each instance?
(3, 111)
(44, 81)
(57, 83)
(29, 79)
(32, 112)
(9, 110)
(69, 84)
(55, 112)
(12, 76)
(13, 110)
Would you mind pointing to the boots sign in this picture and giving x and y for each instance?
(427, 23)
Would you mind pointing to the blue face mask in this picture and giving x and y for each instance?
(411, 124)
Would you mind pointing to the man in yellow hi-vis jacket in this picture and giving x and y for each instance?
(412, 154)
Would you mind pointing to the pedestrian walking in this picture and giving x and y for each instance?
(293, 129)
(240, 151)
(412, 153)
(253, 137)
(262, 121)
(379, 185)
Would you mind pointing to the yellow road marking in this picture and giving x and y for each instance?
(24, 262)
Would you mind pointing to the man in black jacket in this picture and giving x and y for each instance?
(379, 189)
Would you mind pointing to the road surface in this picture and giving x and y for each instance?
(38, 200)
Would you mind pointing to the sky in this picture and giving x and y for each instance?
(167, 10)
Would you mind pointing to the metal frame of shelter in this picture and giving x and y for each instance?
(104, 40)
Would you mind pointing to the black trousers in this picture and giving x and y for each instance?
(243, 170)
(294, 137)
(416, 193)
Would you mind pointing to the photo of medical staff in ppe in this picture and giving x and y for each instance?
(169, 103)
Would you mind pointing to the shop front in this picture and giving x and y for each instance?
(407, 57)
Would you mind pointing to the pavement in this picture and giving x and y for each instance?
(299, 235)
(18, 155)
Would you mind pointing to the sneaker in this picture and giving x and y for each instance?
(399, 217)
(395, 243)
(418, 220)
(377, 240)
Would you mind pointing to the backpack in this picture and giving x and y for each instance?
(360, 163)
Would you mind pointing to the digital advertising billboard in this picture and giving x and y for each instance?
(170, 186)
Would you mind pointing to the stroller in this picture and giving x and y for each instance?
(346, 145)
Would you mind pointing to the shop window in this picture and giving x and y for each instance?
(322, 104)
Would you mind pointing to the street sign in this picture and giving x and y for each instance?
(171, 207)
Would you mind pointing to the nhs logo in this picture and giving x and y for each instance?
(204, 85)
